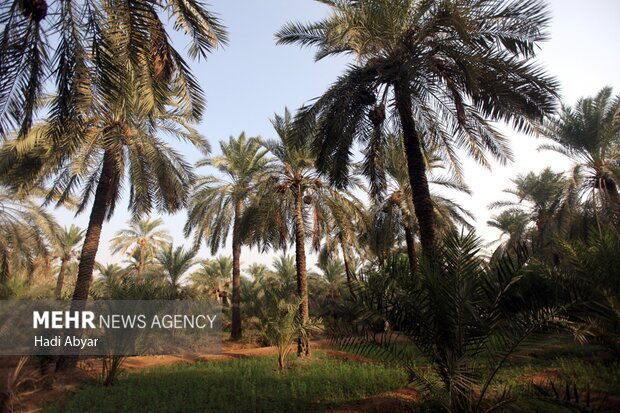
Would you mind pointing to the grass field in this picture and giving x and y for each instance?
(241, 385)
(325, 382)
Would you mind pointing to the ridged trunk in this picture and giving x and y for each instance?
(90, 247)
(61, 277)
(235, 330)
(303, 347)
(416, 169)
(347, 270)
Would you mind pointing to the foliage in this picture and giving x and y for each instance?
(15, 382)
(455, 310)
(90, 38)
(589, 134)
(442, 71)
(590, 272)
(284, 324)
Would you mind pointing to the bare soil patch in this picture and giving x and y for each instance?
(397, 401)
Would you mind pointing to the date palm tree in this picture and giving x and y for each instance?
(111, 135)
(294, 204)
(395, 218)
(143, 238)
(549, 199)
(213, 277)
(589, 134)
(69, 239)
(217, 204)
(513, 223)
(175, 263)
(120, 84)
(444, 69)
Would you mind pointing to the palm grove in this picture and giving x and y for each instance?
(94, 96)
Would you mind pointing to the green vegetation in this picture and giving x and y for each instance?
(239, 386)
(98, 110)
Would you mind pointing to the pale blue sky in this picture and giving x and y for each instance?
(252, 78)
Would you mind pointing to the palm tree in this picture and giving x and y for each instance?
(294, 203)
(110, 276)
(444, 68)
(589, 134)
(513, 223)
(213, 276)
(108, 138)
(549, 198)
(395, 214)
(69, 239)
(92, 34)
(110, 106)
(26, 232)
(217, 204)
(175, 262)
(457, 310)
(143, 238)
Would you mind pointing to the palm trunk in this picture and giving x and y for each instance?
(303, 348)
(235, 330)
(347, 270)
(90, 247)
(416, 169)
(410, 250)
(140, 268)
(61, 277)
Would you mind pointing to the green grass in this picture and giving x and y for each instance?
(244, 385)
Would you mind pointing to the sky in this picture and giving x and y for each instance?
(251, 79)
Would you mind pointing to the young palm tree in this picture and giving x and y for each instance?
(443, 68)
(294, 203)
(86, 35)
(218, 203)
(589, 134)
(457, 310)
(143, 238)
(175, 263)
(69, 239)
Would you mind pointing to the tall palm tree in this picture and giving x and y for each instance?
(443, 68)
(589, 134)
(108, 135)
(294, 204)
(396, 213)
(120, 84)
(218, 203)
(175, 263)
(143, 238)
(86, 35)
(69, 239)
